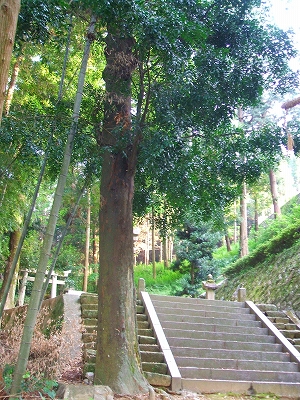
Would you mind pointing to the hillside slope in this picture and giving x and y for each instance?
(275, 280)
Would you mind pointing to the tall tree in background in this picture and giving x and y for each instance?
(9, 11)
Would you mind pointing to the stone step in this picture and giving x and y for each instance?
(291, 334)
(146, 339)
(88, 306)
(223, 344)
(281, 389)
(252, 355)
(89, 337)
(145, 332)
(201, 307)
(87, 313)
(250, 321)
(152, 356)
(156, 367)
(155, 379)
(140, 309)
(288, 326)
(275, 314)
(229, 364)
(90, 328)
(149, 347)
(245, 315)
(217, 327)
(190, 300)
(141, 317)
(143, 324)
(89, 298)
(279, 320)
(90, 321)
(243, 375)
(266, 307)
(237, 337)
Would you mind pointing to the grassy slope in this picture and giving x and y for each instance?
(275, 280)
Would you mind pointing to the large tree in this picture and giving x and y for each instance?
(192, 64)
(9, 11)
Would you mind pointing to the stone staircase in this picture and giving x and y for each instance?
(153, 362)
(220, 346)
(283, 322)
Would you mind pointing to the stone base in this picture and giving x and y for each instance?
(88, 392)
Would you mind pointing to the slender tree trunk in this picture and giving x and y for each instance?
(35, 298)
(153, 246)
(227, 241)
(117, 358)
(9, 12)
(9, 302)
(243, 225)
(165, 252)
(256, 214)
(12, 85)
(87, 244)
(274, 193)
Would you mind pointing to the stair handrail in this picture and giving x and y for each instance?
(279, 337)
(162, 341)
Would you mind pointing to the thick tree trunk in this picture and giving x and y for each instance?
(274, 193)
(9, 11)
(117, 358)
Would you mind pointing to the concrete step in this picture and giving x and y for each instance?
(152, 356)
(245, 315)
(288, 326)
(203, 307)
(281, 389)
(90, 328)
(145, 332)
(222, 344)
(237, 337)
(252, 355)
(243, 375)
(140, 309)
(156, 379)
(149, 347)
(229, 364)
(156, 367)
(275, 314)
(279, 320)
(146, 339)
(196, 319)
(217, 327)
(143, 324)
(189, 300)
(90, 322)
(141, 317)
(291, 334)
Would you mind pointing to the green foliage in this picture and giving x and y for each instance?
(165, 278)
(265, 250)
(31, 384)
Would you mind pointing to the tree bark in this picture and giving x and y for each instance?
(87, 244)
(243, 225)
(9, 12)
(117, 358)
(153, 245)
(9, 302)
(274, 193)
